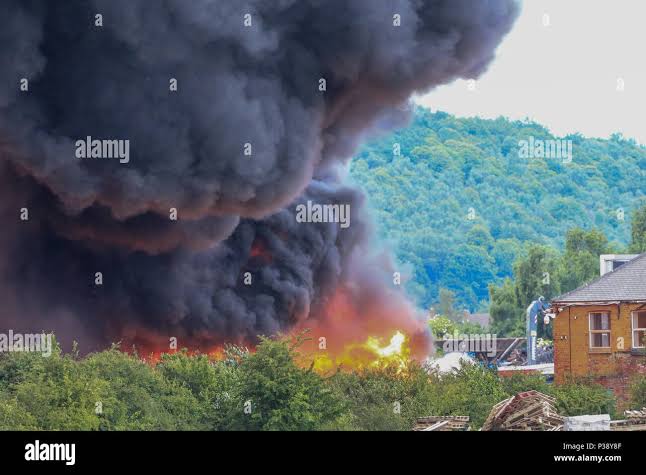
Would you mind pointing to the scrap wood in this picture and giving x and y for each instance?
(436, 426)
(636, 414)
(442, 423)
(635, 420)
(626, 425)
(530, 410)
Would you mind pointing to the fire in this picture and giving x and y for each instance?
(395, 347)
(150, 346)
(154, 355)
(373, 353)
(353, 329)
(358, 328)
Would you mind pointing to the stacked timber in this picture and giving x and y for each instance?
(526, 411)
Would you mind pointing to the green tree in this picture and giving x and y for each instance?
(212, 383)
(472, 390)
(534, 275)
(441, 325)
(507, 317)
(446, 304)
(274, 393)
(135, 396)
(638, 234)
(580, 262)
(49, 393)
(460, 206)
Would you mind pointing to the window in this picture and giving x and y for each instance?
(639, 329)
(599, 330)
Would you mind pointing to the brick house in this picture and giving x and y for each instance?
(600, 328)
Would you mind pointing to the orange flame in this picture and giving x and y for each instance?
(372, 353)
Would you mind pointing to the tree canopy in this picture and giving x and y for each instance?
(459, 205)
(272, 388)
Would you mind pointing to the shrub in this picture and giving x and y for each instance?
(638, 392)
(581, 397)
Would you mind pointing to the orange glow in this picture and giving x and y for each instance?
(384, 332)
(259, 250)
(373, 353)
(349, 332)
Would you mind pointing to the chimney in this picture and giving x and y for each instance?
(611, 262)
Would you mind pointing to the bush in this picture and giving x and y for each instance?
(136, 396)
(274, 393)
(212, 383)
(518, 383)
(111, 390)
(387, 398)
(581, 397)
(472, 391)
(638, 392)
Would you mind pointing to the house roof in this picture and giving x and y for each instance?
(626, 283)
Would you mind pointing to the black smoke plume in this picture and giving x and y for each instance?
(237, 85)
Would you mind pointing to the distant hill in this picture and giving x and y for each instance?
(459, 203)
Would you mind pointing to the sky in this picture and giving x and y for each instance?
(570, 65)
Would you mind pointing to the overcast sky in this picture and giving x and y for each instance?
(566, 74)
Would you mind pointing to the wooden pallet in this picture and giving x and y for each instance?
(633, 421)
(442, 423)
(526, 411)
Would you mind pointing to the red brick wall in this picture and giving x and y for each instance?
(614, 367)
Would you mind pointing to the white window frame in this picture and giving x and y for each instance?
(633, 318)
(594, 332)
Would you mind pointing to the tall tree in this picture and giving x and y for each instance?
(580, 262)
(506, 314)
(446, 305)
(638, 235)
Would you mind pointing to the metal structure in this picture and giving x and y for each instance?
(536, 308)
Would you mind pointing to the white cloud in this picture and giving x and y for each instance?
(564, 75)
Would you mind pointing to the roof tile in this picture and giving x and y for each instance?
(627, 283)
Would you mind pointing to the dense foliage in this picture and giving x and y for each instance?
(547, 272)
(638, 391)
(272, 388)
(460, 206)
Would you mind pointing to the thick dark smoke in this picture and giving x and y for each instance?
(237, 84)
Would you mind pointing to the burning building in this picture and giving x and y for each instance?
(234, 114)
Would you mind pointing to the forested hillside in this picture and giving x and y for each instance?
(459, 205)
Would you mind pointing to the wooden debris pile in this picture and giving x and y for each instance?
(633, 421)
(636, 415)
(442, 423)
(526, 411)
